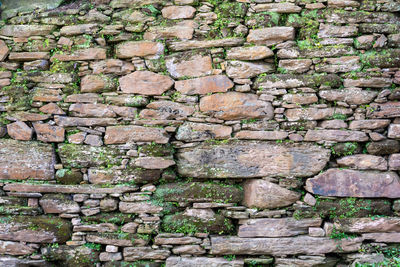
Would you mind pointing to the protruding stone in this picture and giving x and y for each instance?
(251, 159)
(336, 135)
(279, 227)
(368, 225)
(139, 49)
(194, 66)
(26, 30)
(178, 12)
(145, 83)
(352, 183)
(24, 160)
(235, 106)
(221, 245)
(19, 131)
(364, 162)
(204, 85)
(191, 132)
(58, 203)
(131, 133)
(49, 133)
(3, 50)
(249, 53)
(244, 70)
(271, 36)
(262, 194)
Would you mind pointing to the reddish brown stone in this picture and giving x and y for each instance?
(261, 135)
(271, 36)
(351, 183)
(204, 85)
(73, 121)
(52, 108)
(26, 30)
(96, 83)
(336, 135)
(191, 132)
(28, 56)
(166, 110)
(3, 50)
(48, 133)
(27, 116)
(83, 54)
(235, 106)
(262, 194)
(364, 162)
(145, 83)
(384, 110)
(194, 66)
(23, 160)
(178, 12)
(131, 133)
(19, 131)
(138, 49)
(368, 124)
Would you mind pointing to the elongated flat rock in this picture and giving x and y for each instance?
(352, 183)
(282, 246)
(145, 83)
(202, 261)
(368, 225)
(246, 159)
(279, 227)
(26, 30)
(188, 45)
(67, 189)
(131, 133)
(271, 36)
(336, 135)
(23, 160)
(204, 85)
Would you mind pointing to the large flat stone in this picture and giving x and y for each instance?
(223, 245)
(352, 183)
(35, 229)
(202, 261)
(131, 133)
(336, 136)
(138, 49)
(204, 85)
(26, 30)
(67, 189)
(279, 227)
(14, 248)
(368, 225)
(384, 110)
(24, 160)
(263, 194)
(145, 83)
(271, 36)
(235, 106)
(83, 156)
(11, 8)
(189, 45)
(251, 159)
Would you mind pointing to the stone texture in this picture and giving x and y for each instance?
(266, 195)
(364, 162)
(295, 65)
(145, 253)
(189, 45)
(139, 207)
(35, 229)
(166, 110)
(48, 133)
(4, 51)
(145, 83)
(368, 124)
(26, 30)
(311, 113)
(251, 159)
(245, 70)
(261, 135)
(194, 66)
(131, 133)
(271, 36)
(278, 7)
(15, 248)
(282, 227)
(19, 131)
(178, 12)
(82, 54)
(336, 135)
(349, 95)
(202, 261)
(204, 85)
(352, 183)
(53, 203)
(139, 49)
(328, 31)
(249, 53)
(384, 110)
(234, 106)
(191, 132)
(281, 246)
(24, 160)
(368, 225)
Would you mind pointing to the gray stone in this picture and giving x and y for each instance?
(251, 159)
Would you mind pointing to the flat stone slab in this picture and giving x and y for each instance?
(224, 245)
(368, 225)
(276, 227)
(202, 261)
(247, 159)
(12, 7)
(352, 183)
(67, 189)
(25, 160)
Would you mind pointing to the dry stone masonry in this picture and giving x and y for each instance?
(198, 133)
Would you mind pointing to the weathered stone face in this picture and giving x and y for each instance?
(281, 246)
(251, 159)
(204, 85)
(19, 161)
(37, 229)
(145, 83)
(131, 133)
(266, 195)
(270, 36)
(234, 106)
(351, 183)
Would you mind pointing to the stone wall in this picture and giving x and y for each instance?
(214, 133)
